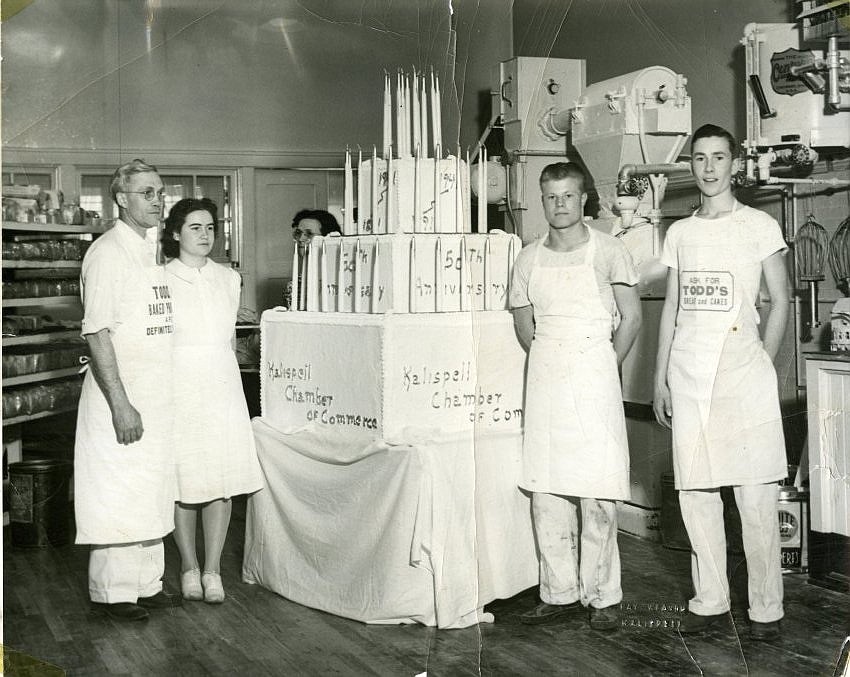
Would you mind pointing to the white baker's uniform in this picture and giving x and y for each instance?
(574, 447)
(727, 426)
(124, 494)
(213, 439)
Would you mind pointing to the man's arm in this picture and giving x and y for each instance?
(776, 277)
(125, 419)
(628, 304)
(524, 325)
(662, 404)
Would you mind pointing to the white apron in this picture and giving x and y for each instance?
(727, 427)
(125, 493)
(575, 432)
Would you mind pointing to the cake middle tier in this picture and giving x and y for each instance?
(401, 273)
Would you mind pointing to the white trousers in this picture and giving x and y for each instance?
(565, 576)
(702, 513)
(125, 572)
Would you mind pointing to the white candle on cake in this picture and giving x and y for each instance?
(340, 278)
(359, 175)
(390, 225)
(510, 268)
(348, 197)
(311, 288)
(323, 258)
(399, 123)
(438, 276)
(411, 290)
(458, 195)
(437, 186)
(414, 95)
(296, 271)
(388, 125)
(408, 118)
(434, 135)
(374, 190)
(376, 278)
(439, 109)
(417, 191)
(357, 276)
(423, 115)
(479, 188)
(482, 225)
(462, 275)
(487, 274)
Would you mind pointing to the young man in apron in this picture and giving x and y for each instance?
(566, 291)
(124, 480)
(716, 386)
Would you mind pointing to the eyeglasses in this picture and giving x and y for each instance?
(297, 234)
(149, 193)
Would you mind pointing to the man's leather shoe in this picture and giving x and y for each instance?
(764, 631)
(606, 618)
(546, 613)
(122, 611)
(692, 623)
(161, 600)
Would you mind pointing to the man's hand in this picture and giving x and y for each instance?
(127, 423)
(662, 406)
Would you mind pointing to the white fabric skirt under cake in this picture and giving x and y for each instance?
(214, 443)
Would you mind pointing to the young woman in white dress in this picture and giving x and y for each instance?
(214, 444)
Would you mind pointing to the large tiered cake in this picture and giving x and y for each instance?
(401, 323)
(391, 427)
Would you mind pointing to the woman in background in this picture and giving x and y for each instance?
(214, 445)
(306, 224)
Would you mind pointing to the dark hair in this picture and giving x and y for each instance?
(564, 170)
(121, 176)
(327, 221)
(707, 131)
(177, 217)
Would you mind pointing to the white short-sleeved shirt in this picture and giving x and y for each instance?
(612, 262)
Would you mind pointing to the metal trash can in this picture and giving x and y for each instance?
(39, 505)
(794, 529)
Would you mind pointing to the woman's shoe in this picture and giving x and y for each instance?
(213, 589)
(190, 584)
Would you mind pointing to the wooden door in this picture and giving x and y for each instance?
(280, 194)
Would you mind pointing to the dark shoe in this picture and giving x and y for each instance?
(693, 623)
(122, 611)
(546, 613)
(762, 632)
(161, 600)
(606, 618)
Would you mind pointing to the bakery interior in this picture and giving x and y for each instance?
(263, 107)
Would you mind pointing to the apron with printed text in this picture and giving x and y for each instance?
(126, 493)
(727, 428)
(575, 433)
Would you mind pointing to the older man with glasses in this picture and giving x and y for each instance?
(124, 480)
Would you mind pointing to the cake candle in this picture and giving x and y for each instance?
(296, 272)
(414, 95)
(510, 268)
(348, 197)
(482, 225)
(423, 114)
(439, 109)
(437, 186)
(357, 276)
(408, 119)
(411, 290)
(438, 277)
(376, 278)
(323, 258)
(479, 187)
(390, 225)
(374, 191)
(360, 199)
(388, 124)
(434, 134)
(462, 276)
(340, 278)
(417, 191)
(458, 194)
(487, 274)
(312, 274)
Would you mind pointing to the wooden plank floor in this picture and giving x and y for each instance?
(48, 621)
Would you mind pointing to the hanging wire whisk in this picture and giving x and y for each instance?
(810, 246)
(839, 253)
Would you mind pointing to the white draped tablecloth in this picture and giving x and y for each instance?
(428, 531)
